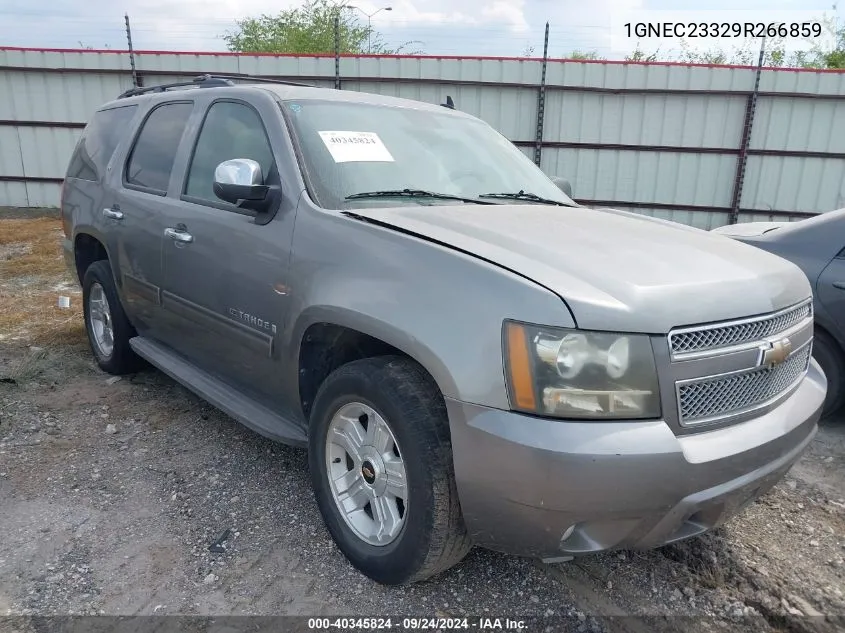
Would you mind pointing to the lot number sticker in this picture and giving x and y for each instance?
(361, 147)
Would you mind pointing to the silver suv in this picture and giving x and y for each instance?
(470, 357)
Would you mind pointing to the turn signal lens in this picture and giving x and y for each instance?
(519, 367)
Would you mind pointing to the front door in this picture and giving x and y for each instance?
(225, 274)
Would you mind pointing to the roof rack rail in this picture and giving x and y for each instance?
(261, 80)
(208, 81)
(203, 81)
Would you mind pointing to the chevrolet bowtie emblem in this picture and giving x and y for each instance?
(777, 353)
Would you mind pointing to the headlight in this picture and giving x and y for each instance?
(580, 374)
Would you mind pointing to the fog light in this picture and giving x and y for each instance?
(567, 533)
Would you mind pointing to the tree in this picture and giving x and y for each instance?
(639, 55)
(88, 47)
(577, 54)
(831, 54)
(748, 54)
(309, 28)
(824, 52)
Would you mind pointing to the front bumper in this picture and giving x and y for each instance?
(526, 482)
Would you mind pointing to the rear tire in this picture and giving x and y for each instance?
(106, 324)
(426, 534)
(828, 354)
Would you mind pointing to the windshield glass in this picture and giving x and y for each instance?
(351, 148)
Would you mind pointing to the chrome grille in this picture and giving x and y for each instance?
(707, 338)
(715, 397)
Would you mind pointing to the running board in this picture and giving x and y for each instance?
(242, 408)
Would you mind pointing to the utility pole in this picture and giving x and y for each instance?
(369, 23)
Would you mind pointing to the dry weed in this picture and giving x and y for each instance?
(32, 277)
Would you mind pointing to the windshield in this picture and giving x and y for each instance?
(353, 148)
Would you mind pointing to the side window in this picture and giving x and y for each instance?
(151, 159)
(98, 142)
(230, 130)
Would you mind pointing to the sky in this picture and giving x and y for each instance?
(434, 27)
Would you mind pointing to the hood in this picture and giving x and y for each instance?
(616, 270)
(748, 229)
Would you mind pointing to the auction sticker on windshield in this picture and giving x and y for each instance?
(348, 147)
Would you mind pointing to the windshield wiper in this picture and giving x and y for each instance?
(523, 195)
(413, 193)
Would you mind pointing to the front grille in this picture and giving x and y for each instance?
(690, 340)
(721, 395)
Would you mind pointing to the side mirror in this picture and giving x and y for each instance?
(563, 184)
(239, 179)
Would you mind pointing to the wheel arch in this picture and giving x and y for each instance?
(831, 334)
(87, 249)
(328, 337)
(835, 398)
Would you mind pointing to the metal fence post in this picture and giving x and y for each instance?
(541, 102)
(337, 50)
(742, 159)
(136, 82)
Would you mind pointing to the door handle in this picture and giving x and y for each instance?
(839, 284)
(112, 214)
(178, 235)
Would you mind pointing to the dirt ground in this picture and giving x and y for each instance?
(112, 491)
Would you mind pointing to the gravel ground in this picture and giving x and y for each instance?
(113, 490)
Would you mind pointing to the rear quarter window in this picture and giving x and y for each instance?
(98, 142)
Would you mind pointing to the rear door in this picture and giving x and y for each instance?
(225, 290)
(87, 192)
(137, 211)
(831, 291)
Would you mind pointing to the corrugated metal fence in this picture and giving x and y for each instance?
(661, 139)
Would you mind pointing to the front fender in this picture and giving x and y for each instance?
(442, 307)
(380, 329)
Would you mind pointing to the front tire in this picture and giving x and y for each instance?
(828, 354)
(380, 457)
(106, 324)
